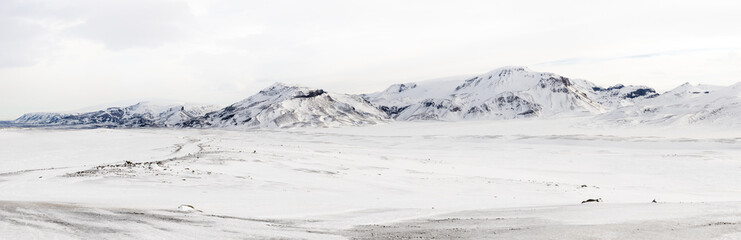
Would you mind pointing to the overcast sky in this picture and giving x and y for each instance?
(63, 55)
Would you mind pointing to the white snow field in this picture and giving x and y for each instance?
(514, 179)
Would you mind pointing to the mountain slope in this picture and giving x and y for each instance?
(283, 106)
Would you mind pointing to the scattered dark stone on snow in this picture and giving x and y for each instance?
(592, 200)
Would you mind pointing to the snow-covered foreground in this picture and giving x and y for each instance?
(492, 179)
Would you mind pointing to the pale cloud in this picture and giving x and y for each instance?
(126, 24)
(22, 41)
(662, 71)
(60, 55)
(14, 42)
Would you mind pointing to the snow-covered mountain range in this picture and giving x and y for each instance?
(143, 114)
(504, 93)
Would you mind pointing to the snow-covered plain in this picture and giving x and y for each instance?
(515, 179)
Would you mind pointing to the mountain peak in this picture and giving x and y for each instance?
(282, 85)
(279, 88)
(509, 69)
(509, 77)
(397, 88)
(291, 91)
